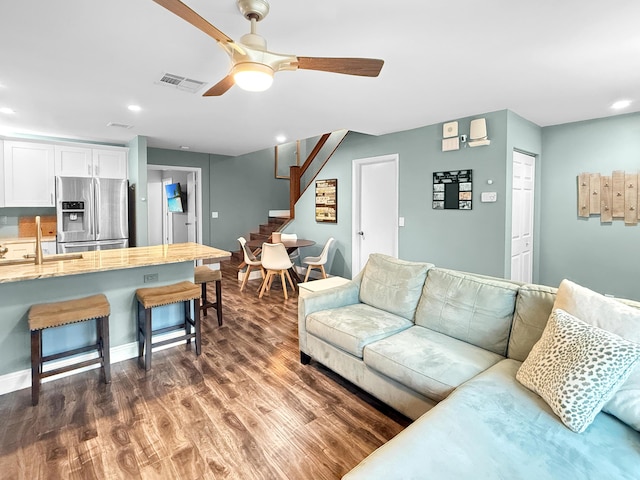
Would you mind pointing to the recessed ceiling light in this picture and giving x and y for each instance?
(134, 108)
(620, 104)
(7, 110)
(281, 139)
(184, 147)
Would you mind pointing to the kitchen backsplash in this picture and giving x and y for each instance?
(11, 228)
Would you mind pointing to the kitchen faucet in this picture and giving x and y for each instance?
(38, 241)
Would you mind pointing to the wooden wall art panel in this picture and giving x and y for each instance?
(630, 198)
(594, 193)
(606, 199)
(584, 181)
(612, 197)
(618, 194)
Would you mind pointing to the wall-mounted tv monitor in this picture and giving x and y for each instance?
(175, 198)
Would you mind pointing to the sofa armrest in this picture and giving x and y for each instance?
(340, 296)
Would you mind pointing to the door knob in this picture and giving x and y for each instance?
(361, 233)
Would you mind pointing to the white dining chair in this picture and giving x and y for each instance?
(275, 261)
(251, 261)
(318, 262)
(291, 237)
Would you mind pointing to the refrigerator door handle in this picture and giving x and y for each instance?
(97, 200)
(90, 211)
(80, 244)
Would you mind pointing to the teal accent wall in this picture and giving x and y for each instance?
(603, 257)
(526, 137)
(466, 240)
(138, 177)
(243, 190)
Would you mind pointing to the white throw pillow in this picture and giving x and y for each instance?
(613, 316)
(576, 368)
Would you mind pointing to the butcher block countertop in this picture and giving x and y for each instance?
(105, 260)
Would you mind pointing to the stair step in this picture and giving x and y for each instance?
(278, 220)
(266, 229)
(258, 236)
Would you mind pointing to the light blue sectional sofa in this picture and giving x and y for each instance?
(444, 347)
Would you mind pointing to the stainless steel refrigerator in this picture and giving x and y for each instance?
(92, 214)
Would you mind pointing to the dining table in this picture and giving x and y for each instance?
(291, 246)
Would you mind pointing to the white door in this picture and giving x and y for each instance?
(375, 208)
(167, 219)
(191, 207)
(522, 201)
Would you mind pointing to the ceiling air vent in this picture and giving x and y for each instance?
(182, 83)
(119, 125)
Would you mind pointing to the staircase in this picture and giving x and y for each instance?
(264, 233)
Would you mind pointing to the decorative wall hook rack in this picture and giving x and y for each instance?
(596, 196)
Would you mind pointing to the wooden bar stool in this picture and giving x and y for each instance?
(148, 298)
(49, 315)
(202, 276)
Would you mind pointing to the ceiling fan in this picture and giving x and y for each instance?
(252, 65)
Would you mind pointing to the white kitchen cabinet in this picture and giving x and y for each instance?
(81, 161)
(28, 174)
(109, 163)
(48, 248)
(18, 249)
(73, 161)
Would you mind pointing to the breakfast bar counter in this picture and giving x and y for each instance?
(105, 260)
(115, 273)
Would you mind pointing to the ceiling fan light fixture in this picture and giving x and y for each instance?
(253, 77)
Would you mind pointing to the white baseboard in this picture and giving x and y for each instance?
(14, 381)
(252, 276)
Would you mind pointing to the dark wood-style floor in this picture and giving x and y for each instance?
(245, 409)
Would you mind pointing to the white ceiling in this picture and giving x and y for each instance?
(68, 67)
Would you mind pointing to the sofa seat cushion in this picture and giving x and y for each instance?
(353, 327)
(492, 427)
(428, 362)
(471, 308)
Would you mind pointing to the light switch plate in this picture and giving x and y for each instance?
(450, 129)
(489, 197)
(214, 214)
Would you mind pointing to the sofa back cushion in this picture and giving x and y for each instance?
(533, 307)
(474, 309)
(393, 285)
(613, 315)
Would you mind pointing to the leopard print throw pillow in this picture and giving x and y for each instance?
(576, 368)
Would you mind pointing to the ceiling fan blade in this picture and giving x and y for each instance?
(364, 67)
(184, 12)
(219, 88)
